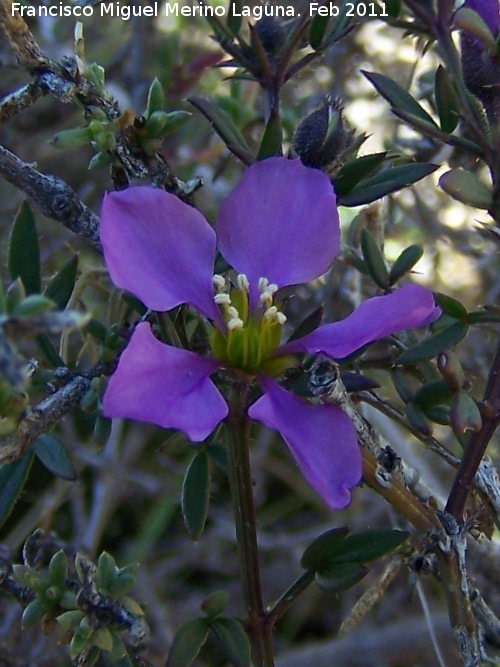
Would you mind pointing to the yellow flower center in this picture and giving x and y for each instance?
(250, 337)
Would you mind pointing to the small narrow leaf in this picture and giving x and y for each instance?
(196, 494)
(234, 16)
(368, 545)
(340, 577)
(446, 100)
(272, 138)
(386, 182)
(405, 263)
(317, 31)
(397, 96)
(50, 450)
(24, 250)
(355, 170)
(308, 324)
(222, 124)
(430, 347)
(61, 286)
(450, 306)
(319, 552)
(187, 643)
(233, 639)
(465, 187)
(374, 259)
(12, 479)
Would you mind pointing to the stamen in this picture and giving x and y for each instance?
(235, 323)
(233, 313)
(243, 283)
(262, 284)
(222, 299)
(219, 282)
(281, 318)
(270, 314)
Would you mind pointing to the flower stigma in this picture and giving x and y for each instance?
(250, 337)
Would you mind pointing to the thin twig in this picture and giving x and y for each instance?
(52, 195)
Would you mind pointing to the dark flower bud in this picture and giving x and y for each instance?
(271, 34)
(464, 414)
(481, 69)
(321, 136)
(451, 370)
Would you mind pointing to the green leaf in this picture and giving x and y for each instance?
(341, 577)
(156, 97)
(12, 479)
(270, 144)
(233, 639)
(215, 604)
(34, 612)
(374, 259)
(430, 347)
(58, 569)
(355, 170)
(223, 124)
(24, 251)
(482, 316)
(218, 453)
(446, 100)
(107, 572)
(319, 552)
(61, 286)
(385, 182)
(234, 17)
(405, 263)
(49, 449)
(397, 96)
(317, 31)
(368, 545)
(196, 494)
(450, 306)
(308, 325)
(187, 643)
(465, 187)
(432, 394)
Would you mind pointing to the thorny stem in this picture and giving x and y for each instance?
(240, 475)
(477, 444)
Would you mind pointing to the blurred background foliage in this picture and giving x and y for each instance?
(127, 495)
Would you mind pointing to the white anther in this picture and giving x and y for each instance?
(219, 282)
(243, 283)
(262, 284)
(233, 313)
(222, 299)
(235, 323)
(280, 318)
(271, 314)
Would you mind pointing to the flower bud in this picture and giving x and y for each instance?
(271, 34)
(464, 414)
(321, 136)
(451, 370)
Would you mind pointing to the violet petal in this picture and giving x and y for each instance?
(159, 248)
(166, 386)
(321, 438)
(280, 222)
(410, 307)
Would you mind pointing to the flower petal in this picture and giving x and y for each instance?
(411, 306)
(321, 438)
(159, 248)
(280, 222)
(165, 385)
(488, 10)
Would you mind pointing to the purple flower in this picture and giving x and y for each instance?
(482, 71)
(278, 227)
